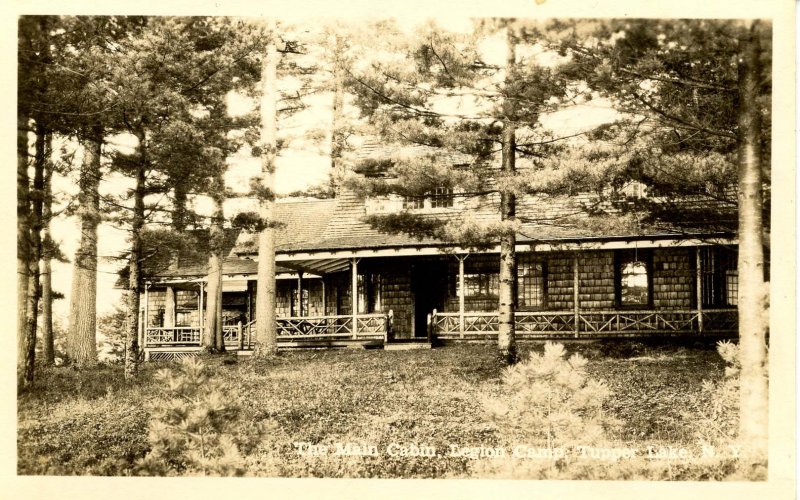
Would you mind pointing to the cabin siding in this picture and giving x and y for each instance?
(674, 282)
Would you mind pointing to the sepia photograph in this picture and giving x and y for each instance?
(492, 247)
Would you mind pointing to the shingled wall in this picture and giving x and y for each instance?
(674, 282)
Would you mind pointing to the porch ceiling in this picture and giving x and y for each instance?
(318, 266)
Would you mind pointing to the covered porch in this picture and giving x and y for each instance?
(312, 311)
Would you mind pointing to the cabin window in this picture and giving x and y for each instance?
(296, 310)
(732, 287)
(719, 278)
(370, 292)
(530, 282)
(442, 198)
(186, 308)
(156, 304)
(480, 285)
(634, 279)
(413, 202)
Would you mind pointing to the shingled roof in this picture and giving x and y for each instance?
(338, 224)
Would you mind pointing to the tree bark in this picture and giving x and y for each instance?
(48, 341)
(135, 267)
(27, 32)
(753, 316)
(506, 335)
(266, 334)
(337, 132)
(23, 246)
(180, 214)
(36, 196)
(81, 345)
(213, 338)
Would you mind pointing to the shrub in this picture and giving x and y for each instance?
(719, 418)
(198, 429)
(548, 398)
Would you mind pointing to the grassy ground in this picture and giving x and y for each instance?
(91, 422)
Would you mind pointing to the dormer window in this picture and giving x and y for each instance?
(442, 198)
(413, 202)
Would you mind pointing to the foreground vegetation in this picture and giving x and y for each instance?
(92, 422)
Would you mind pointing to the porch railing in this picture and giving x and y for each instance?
(543, 324)
(368, 326)
(171, 335)
(292, 329)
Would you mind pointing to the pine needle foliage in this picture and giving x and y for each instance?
(549, 398)
(198, 430)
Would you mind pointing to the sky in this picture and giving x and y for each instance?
(299, 166)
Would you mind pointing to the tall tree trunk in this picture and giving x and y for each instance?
(180, 213)
(81, 345)
(135, 267)
(213, 338)
(266, 334)
(753, 316)
(23, 245)
(36, 196)
(506, 336)
(27, 32)
(48, 342)
(337, 132)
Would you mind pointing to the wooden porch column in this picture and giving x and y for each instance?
(354, 294)
(145, 319)
(576, 293)
(300, 293)
(461, 294)
(169, 307)
(324, 298)
(200, 313)
(699, 282)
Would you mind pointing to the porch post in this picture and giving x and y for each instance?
(300, 293)
(576, 293)
(461, 295)
(324, 298)
(169, 307)
(354, 295)
(144, 320)
(201, 314)
(699, 283)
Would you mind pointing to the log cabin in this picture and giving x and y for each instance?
(341, 282)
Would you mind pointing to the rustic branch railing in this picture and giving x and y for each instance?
(171, 335)
(294, 329)
(542, 324)
(368, 326)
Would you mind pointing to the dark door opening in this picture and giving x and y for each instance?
(429, 286)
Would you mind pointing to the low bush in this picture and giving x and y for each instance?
(197, 429)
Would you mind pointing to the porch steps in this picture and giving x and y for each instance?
(406, 344)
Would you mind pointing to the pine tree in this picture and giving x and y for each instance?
(266, 333)
(696, 96)
(441, 93)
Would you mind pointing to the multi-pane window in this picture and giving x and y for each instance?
(480, 285)
(186, 305)
(530, 282)
(442, 198)
(719, 279)
(370, 292)
(413, 202)
(296, 306)
(156, 303)
(633, 278)
(732, 287)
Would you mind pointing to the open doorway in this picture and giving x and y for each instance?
(429, 288)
